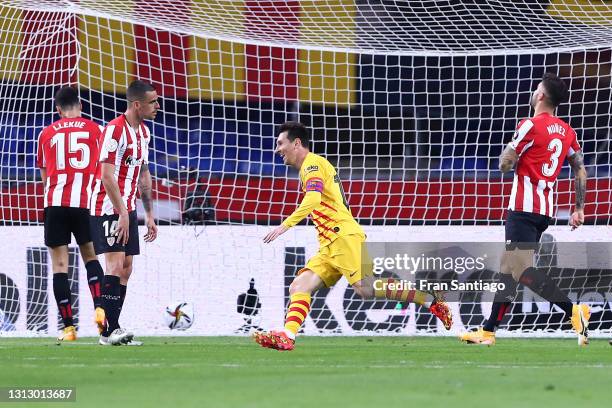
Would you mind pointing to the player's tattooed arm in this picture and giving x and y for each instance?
(145, 187)
(508, 159)
(576, 161)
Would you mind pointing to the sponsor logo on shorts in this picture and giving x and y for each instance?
(111, 241)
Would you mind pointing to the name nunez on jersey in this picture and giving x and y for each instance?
(542, 143)
(556, 129)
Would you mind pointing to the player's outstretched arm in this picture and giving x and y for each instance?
(112, 189)
(311, 200)
(275, 233)
(576, 162)
(145, 187)
(508, 159)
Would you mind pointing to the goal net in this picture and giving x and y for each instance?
(412, 102)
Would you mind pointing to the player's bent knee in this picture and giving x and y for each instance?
(87, 252)
(114, 263)
(363, 290)
(59, 258)
(127, 262)
(114, 269)
(517, 269)
(59, 266)
(517, 273)
(363, 293)
(297, 287)
(125, 275)
(513, 263)
(305, 282)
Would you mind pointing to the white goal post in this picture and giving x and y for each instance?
(411, 101)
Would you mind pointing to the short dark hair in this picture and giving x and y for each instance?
(296, 130)
(555, 88)
(137, 90)
(67, 97)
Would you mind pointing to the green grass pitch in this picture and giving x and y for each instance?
(320, 372)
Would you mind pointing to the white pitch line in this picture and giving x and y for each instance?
(333, 366)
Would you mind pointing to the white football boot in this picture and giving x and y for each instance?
(120, 336)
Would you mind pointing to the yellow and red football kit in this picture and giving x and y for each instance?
(341, 251)
(340, 236)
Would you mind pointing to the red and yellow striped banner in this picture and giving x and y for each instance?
(102, 54)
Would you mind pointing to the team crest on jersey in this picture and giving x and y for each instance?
(311, 168)
(111, 145)
(111, 241)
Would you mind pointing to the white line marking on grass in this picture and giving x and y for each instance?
(135, 364)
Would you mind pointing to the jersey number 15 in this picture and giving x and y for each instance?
(75, 145)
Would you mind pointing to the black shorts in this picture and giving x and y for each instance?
(524, 229)
(61, 222)
(104, 240)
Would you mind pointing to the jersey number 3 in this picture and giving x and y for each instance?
(555, 146)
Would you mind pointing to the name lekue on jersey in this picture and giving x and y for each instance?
(70, 124)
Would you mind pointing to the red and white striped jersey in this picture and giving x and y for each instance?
(68, 151)
(127, 148)
(542, 143)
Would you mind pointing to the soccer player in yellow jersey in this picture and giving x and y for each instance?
(340, 239)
